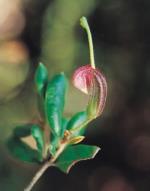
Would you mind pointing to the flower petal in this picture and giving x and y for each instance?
(92, 82)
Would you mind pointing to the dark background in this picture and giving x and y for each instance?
(49, 31)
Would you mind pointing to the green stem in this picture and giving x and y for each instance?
(85, 25)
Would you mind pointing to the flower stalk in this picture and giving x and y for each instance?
(85, 25)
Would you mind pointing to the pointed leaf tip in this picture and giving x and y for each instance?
(41, 78)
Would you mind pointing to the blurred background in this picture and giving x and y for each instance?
(49, 31)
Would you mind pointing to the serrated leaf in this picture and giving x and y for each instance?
(54, 103)
(22, 151)
(37, 134)
(77, 123)
(74, 154)
(41, 78)
(22, 130)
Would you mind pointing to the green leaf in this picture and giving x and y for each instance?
(55, 140)
(54, 144)
(22, 130)
(37, 134)
(64, 124)
(41, 78)
(76, 140)
(54, 103)
(77, 123)
(74, 154)
(22, 151)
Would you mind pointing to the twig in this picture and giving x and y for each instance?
(47, 164)
(38, 175)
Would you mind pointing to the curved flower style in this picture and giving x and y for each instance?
(92, 82)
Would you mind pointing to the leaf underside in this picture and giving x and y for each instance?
(22, 130)
(74, 154)
(22, 151)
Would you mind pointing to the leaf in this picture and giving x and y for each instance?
(22, 151)
(74, 154)
(41, 78)
(22, 130)
(64, 124)
(76, 140)
(77, 123)
(54, 103)
(55, 140)
(92, 82)
(37, 134)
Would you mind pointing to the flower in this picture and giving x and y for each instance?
(92, 82)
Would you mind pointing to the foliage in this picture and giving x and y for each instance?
(69, 132)
(57, 137)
